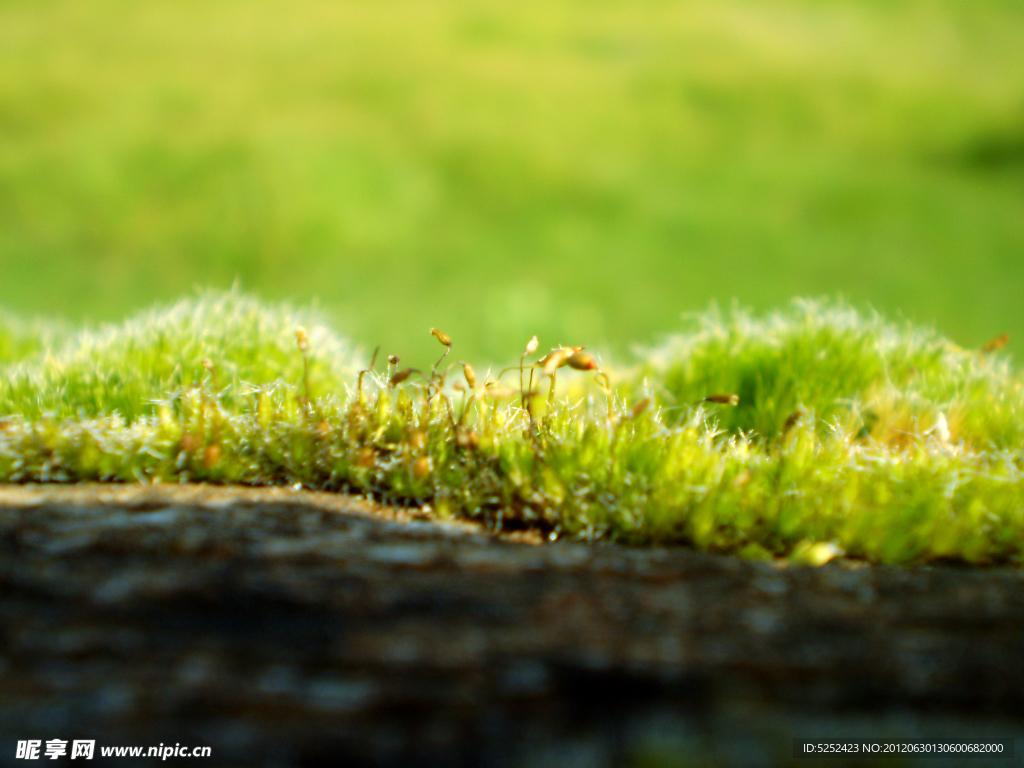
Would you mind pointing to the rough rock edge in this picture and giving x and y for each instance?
(289, 627)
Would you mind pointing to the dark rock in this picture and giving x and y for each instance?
(288, 628)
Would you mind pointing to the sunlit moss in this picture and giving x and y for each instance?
(593, 467)
(834, 365)
(125, 368)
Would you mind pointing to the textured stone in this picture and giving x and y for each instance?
(296, 628)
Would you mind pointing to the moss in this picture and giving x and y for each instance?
(838, 367)
(865, 470)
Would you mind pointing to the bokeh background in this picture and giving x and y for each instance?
(497, 168)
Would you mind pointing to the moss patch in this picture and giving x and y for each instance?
(851, 435)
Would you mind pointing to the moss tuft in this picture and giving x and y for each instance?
(852, 436)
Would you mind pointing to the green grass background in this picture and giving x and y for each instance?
(581, 170)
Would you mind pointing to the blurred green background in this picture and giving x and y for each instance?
(581, 170)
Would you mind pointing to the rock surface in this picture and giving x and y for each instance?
(293, 628)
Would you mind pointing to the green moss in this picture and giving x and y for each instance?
(836, 366)
(125, 369)
(592, 466)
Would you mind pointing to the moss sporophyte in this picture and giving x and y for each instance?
(802, 436)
